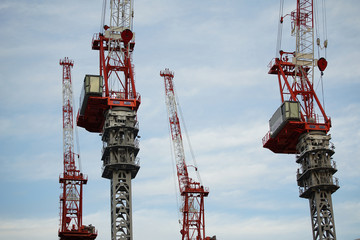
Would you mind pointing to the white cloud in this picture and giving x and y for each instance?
(347, 218)
(155, 223)
(23, 125)
(32, 167)
(101, 220)
(39, 228)
(346, 138)
(161, 10)
(232, 226)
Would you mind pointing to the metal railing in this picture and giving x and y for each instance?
(334, 181)
(322, 164)
(266, 137)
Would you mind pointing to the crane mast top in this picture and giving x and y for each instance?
(72, 179)
(121, 15)
(303, 58)
(191, 191)
(68, 125)
(182, 171)
(186, 184)
(118, 36)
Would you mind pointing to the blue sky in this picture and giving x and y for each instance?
(219, 51)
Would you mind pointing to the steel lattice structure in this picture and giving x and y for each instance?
(192, 192)
(72, 179)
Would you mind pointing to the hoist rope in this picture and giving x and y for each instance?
(187, 137)
(321, 34)
(102, 23)
(324, 24)
(280, 27)
(78, 147)
(76, 131)
(320, 26)
(317, 31)
(322, 91)
(323, 8)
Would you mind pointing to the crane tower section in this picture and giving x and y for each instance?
(72, 179)
(192, 192)
(300, 125)
(109, 105)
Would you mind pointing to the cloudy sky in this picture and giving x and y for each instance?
(219, 51)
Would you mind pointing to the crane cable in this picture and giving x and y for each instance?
(102, 23)
(326, 41)
(325, 25)
(78, 147)
(280, 27)
(321, 16)
(76, 130)
(187, 137)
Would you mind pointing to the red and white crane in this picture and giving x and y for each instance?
(300, 126)
(192, 191)
(109, 104)
(72, 180)
(114, 87)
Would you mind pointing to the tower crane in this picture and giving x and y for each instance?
(192, 192)
(72, 179)
(109, 104)
(300, 125)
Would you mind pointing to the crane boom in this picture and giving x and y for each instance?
(300, 125)
(72, 179)
(192, 192)
(175, 130)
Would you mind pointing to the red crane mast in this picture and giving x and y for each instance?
(191, 191)
(300, 125)
(72, 180)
